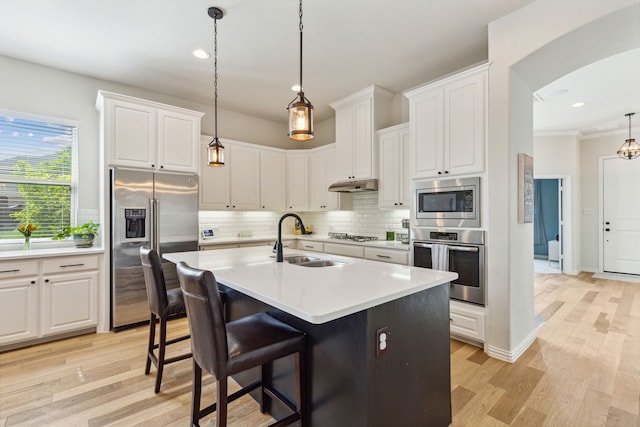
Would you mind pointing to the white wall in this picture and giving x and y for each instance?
(528, 49)
(555, 156)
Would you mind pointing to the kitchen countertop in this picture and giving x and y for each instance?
(389, 244)
(314, 294)
(49, 252)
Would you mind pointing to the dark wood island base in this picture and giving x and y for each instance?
(351, 383)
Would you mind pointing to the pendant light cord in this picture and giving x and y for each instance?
(215, 76)
(300, 26)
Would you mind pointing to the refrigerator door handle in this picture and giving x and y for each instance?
(153, 230)
(156, 225)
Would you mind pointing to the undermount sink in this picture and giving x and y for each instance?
(321, 263)
(309, 261)
(299, 259)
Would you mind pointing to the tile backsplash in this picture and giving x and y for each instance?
(364, 218)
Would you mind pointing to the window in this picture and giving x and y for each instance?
(36, 175)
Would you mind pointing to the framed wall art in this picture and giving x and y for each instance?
(525, 188)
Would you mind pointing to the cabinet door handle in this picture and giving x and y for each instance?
(46, 280)
(71, 265)
(446, 171)
(308, 247)
(383, 256)
(439, 172)
(10, 271)
(33, 282)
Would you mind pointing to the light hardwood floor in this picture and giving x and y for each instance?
(582, 370)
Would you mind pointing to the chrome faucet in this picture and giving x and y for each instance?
(277, 248)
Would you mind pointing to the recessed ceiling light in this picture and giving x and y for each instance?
(201, 54)
(578, 104)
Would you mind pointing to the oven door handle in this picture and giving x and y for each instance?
(451, 248)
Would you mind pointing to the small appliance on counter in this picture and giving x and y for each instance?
(404, 237)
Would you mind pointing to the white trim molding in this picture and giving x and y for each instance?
(511, 356)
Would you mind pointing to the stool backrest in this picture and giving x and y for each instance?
(206, 319)
(154, 281)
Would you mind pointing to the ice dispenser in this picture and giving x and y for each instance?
(135, 223)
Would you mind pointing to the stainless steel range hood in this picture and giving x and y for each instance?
(355, 186)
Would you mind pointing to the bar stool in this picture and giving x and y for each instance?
(223, 349)
(163, 304)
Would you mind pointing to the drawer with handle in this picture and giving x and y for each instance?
(18, 268)
(387, 255)
(69, 263)
(305, 245)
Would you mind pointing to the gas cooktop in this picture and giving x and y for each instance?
(355, 238)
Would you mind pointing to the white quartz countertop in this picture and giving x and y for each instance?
(389, 244)
(314, 294)
(49, 252)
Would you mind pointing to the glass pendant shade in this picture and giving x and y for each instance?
(300, 119)
(215, 153)
(629, 150)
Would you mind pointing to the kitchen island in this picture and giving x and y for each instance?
(345, 309)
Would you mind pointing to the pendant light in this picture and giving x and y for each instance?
(215, 150)
(300, 109)
(630, 149)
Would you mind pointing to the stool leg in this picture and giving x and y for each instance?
(161, 351)
(264, 374)
(196, 389)
(221, 408)
(301, 373)
(152, 337)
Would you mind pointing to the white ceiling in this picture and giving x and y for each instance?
(348, 45)
(610, 88)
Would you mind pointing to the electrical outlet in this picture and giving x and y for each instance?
(382, 341)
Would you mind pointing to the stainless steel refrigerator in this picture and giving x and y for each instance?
(157, 210)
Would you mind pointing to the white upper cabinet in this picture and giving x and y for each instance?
(448, 125)
(298, 180)
(244, 167)
(234, 186)
(322, 173)
(273, 180)
(147, 135)
(394, 181)
(358, 116)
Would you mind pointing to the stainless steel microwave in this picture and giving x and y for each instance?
(447, 203)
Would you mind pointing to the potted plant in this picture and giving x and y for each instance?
(82, 236)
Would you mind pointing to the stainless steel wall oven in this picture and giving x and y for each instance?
(460, 251)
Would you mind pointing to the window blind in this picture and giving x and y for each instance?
(36, 182)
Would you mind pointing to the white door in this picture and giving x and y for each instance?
(621, 215)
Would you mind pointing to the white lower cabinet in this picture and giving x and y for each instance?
(467, 320)
(344, 250)
(18, 301)
(305, 245)
(40, 298)
(387, 255)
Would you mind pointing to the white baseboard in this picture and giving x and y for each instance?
(589, 270)
(618, 276)
(511, 356)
